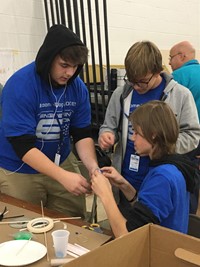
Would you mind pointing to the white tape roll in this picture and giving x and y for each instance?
(40, 225)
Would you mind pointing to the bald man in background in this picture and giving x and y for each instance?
(186, 71)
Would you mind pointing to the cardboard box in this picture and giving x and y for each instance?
(148, 246)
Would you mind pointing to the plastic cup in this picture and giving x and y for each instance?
(60, 242)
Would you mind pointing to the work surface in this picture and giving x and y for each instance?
(86, 238)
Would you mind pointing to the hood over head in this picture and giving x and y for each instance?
(58, 38)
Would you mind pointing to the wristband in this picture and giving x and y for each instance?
(99, 170)
(132, 199)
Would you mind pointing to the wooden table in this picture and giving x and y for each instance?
(35, 208)
(79, 235)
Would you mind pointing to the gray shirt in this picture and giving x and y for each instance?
(180, 100)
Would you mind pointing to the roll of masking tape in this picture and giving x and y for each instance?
(40, 225)
(96, 227)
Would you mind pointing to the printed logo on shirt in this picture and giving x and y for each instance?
(48, 127)
(130, 128)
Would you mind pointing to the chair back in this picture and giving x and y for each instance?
(194, 225)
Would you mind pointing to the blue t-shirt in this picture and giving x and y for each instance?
(164, 192)
(1, 88)
(31, 107)
(135, 175)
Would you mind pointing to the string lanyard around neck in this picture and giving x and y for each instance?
(56, 103)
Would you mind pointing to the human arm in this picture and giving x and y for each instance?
(86, 151)
(118, 180)
(73, 182)
(102, 188)
(106, 140)
(140, 213)
(28, 132)
(108, 133)
(81, 131)
(24, 147)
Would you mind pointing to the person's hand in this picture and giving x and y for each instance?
(75, 183)
(106, 140)
(100, 185)
(114, 176)
(119, 181)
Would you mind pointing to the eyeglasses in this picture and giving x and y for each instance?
(170, 57)
(139, 83)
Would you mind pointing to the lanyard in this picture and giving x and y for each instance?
(61, 133)
(56, 103)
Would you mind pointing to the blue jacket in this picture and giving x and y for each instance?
(189, 76)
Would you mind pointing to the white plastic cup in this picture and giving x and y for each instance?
(60, 242)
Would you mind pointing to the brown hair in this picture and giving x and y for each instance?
(78, 54)
(158, 125)
(142, 58)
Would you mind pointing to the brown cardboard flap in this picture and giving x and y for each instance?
(163, 244)
(187, 256)
(124, 251)
(147, 246)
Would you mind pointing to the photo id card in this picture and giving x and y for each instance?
(134, 163)
(57, 159)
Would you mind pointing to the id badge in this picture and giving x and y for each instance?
(134, 163)
(57, 159)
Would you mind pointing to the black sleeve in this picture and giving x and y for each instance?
(22, 144)
(140, 215)
(80, 133)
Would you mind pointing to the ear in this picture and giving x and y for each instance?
(182, 56)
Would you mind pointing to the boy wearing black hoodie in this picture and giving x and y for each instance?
(44, 104)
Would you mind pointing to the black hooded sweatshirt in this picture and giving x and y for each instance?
(58, 38)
